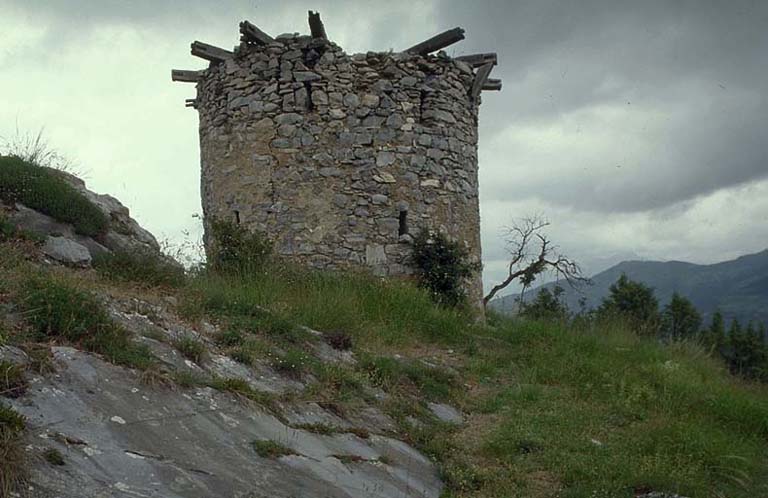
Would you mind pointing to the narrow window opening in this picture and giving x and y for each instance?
(237, 217)
(403, 230)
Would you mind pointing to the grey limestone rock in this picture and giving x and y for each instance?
(302, 76)
(123, 438)
(67, 251)
(446, 413)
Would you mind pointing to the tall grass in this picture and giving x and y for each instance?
(611, 414)
(13, 465)
(144, 267)
(369, 309)
(58, 309)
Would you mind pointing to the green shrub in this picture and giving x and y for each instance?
(340, 341)
(57, 309)
(54, 457)
(43, 190)
(271, 449)
(192, 349)
(10, 420)
(7, 229)
(633, 302)
(293, 362)
(13, 466)
(338, 382)
(241, 387)
(389, 373)
(188, 378)
(322, 429)
(242, 355)
(245, 350)
(232, 384)
(236, 250)
(230, 338)
(12, 382)
(144, 267)
(442, 266)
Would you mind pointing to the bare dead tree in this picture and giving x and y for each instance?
(532, 253)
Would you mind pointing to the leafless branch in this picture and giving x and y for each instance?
(532, 253)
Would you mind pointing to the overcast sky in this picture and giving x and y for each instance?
(638, 128)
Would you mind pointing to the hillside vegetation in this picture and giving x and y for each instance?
(42, 189)
(549, 408)
(737, 288)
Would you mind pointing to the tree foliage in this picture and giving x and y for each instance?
(546, 306)
(746, 352)
(634, 302)
(680, 319)
(235, 250)
(442, 267)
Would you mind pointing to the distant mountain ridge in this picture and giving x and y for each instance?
(738, 288)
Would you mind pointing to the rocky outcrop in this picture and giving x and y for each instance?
(122, 436)
(67, 251)
(63, 244)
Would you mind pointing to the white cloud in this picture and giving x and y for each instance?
(626, 155)
(715, 227)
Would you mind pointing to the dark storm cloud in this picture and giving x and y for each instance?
(637, 127)
(687, 79)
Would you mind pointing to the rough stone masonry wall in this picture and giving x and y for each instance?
(341, 159)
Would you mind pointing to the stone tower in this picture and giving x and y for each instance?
(341, 158)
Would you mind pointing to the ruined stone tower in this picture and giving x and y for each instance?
(340, 158)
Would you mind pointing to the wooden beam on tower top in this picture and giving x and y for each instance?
(210, 52)
(480, 79)
(437, 42)
(316, 26)
(250, 33)
(492, 84)
(477, 60)
(185, 76)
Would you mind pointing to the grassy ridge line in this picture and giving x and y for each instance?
(576, 411)
(376, 312)
(42, 190)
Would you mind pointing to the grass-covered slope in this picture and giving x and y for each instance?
(43, 190)
(553, 409)
(586, 410)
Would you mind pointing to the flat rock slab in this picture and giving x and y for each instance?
(67, 251)
(446, 413)
(120, 438)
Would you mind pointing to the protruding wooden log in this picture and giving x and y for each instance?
(185, 76)
(477, 60)
(492, 84)
(210, 53)
(253, 34)
(316, 27)
(437, 42)
(190, 103)
(480, 79)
